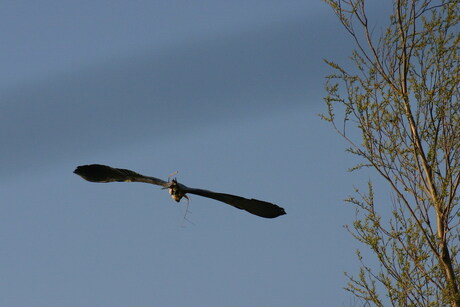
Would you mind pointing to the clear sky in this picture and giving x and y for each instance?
(225, 92)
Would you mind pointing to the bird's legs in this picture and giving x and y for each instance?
(177, 193)
(187, 211)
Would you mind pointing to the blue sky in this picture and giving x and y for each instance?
(225, 92)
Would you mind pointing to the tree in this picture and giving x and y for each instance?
(402, 98)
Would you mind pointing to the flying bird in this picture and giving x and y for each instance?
(103, 173)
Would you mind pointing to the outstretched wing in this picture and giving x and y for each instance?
(254, 206)
(104, 173)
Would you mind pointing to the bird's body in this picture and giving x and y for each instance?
(103, 173)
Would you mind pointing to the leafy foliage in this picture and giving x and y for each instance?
(403, 98)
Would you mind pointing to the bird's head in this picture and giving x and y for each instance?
(176, 192)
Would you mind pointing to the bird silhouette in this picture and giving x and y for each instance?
(104, 173)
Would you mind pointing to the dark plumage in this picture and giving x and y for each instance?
(103, 173)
